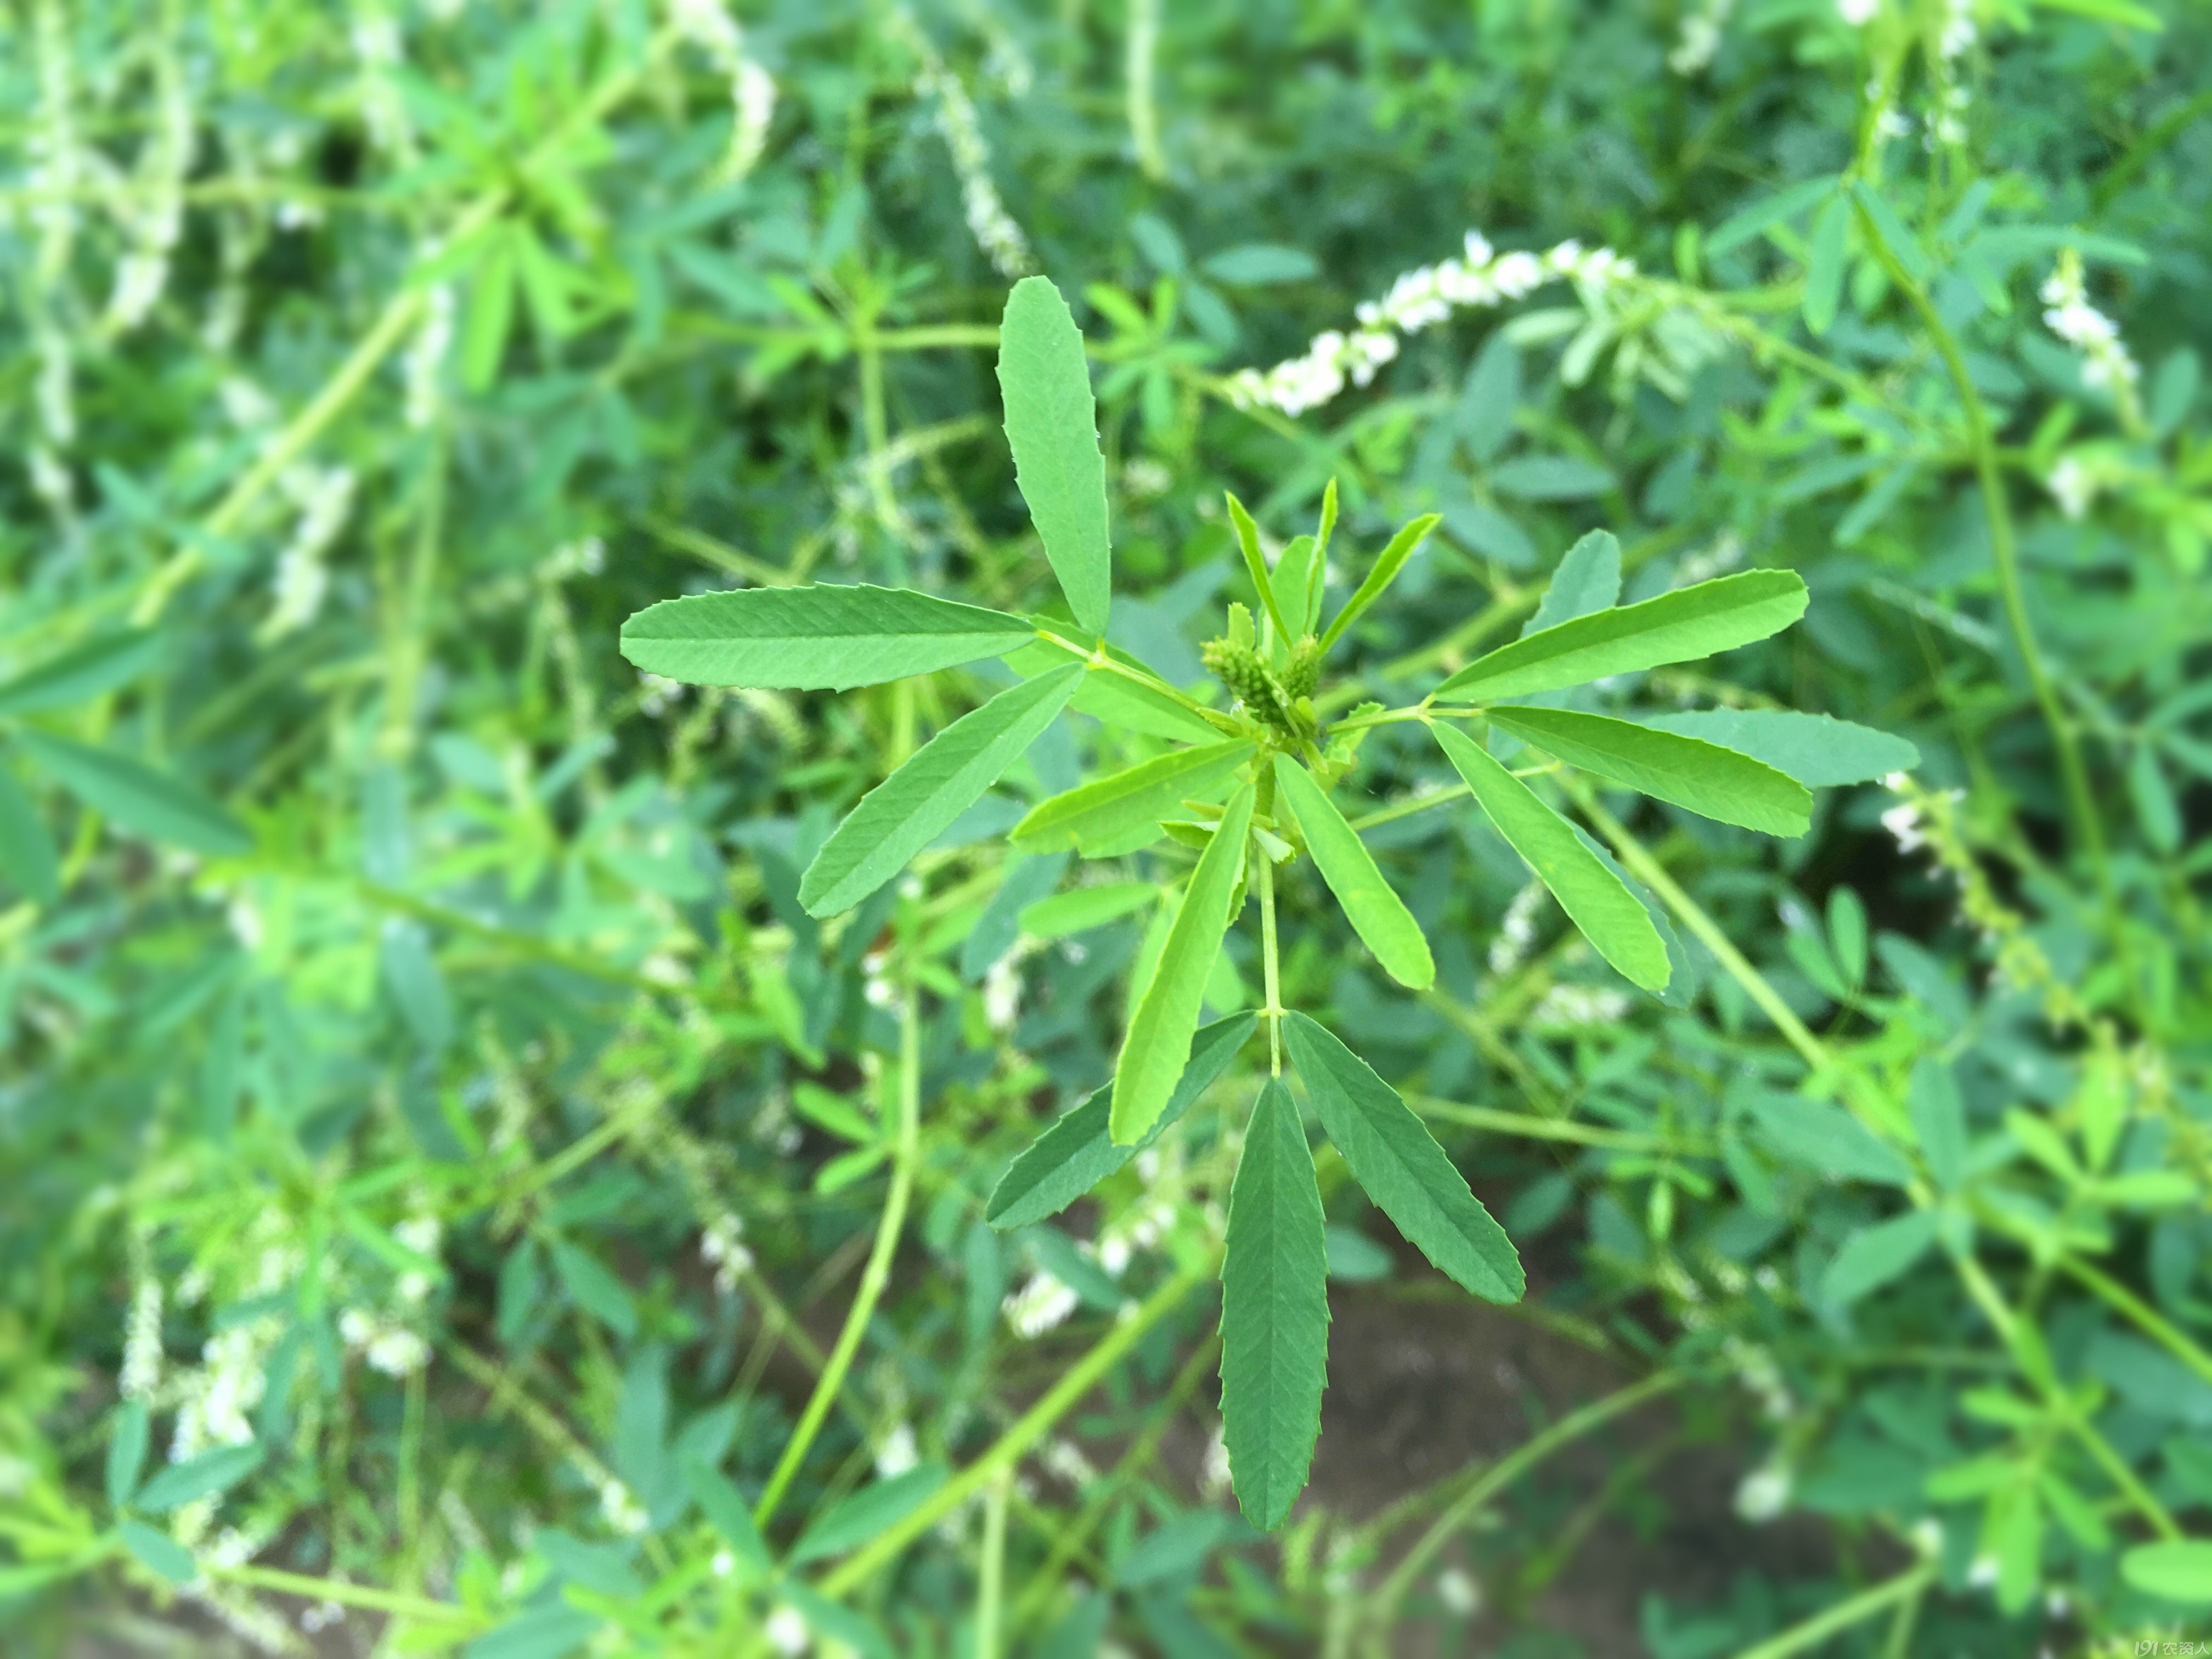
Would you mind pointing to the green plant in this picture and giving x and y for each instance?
(1277, 762)
(457, 1198)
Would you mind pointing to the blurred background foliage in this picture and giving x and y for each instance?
(438, 1150)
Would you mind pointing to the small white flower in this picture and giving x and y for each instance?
(1213, 1472)
(1516, 929)
(396, 1352)
(142, 1342)
(1764, 1493)
(1002, 993)
(1577, 1007)
(899, 1453)
(787, 1631)
(621, 1509)
(1064, 1459)
(1038, 1306)
(2106, 363)
(1903, 821)
(1458, 1591)
(1857, 13)
(426, 356)
(2073, 486)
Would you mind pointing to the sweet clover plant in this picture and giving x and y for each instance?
(1254, 780)
(489, 1167)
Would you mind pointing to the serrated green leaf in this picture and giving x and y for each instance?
(815, 638)
(1052, 425)
(1594, 899)
(28, 859)
(1819, 751)
(1381, 575)
(204, 1476)
(1274, 1313)
(874, 1510)
(1588, 581)
(1377, 915)
(1100, 814)
(81, 672)
(2178, 1569)
(158, 1551)
(1159, 1036)
(126, 1451)
(1397, 1161)
(939, 781)
(1871, 1257)
(1078, 1151)
(1081, 909)
(1683, 626)
(133, 796)
(1704, 777)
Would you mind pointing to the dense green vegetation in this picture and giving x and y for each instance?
(510, 1147)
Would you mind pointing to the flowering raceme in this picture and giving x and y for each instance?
(1480, 278)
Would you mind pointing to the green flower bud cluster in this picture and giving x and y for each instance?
(1282, 700)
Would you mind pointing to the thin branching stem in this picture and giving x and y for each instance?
(905, 1154)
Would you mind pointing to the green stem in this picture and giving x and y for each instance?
(1555, 1129)
(990, 1589)
(1853, 1610)
(1411, 805)
(1099, 658)
(1383, 1605)
(1653, 874)
(877, 1272)
(1269, 963)
(1142, 46)
(337, 1589)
